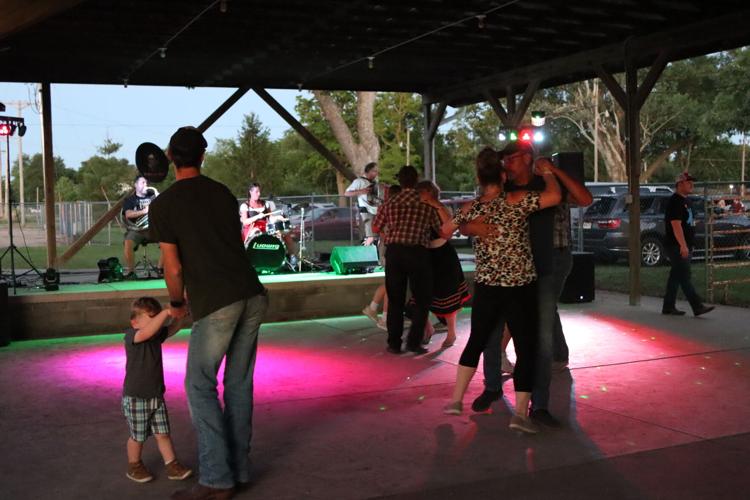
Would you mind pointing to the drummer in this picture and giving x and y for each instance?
(257, 217)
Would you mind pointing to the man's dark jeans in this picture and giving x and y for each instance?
(679, 276)
(407, 265)
(550, 344)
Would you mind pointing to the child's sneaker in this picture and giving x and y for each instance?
(177, 471)
(138, 472)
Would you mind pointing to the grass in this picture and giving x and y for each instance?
(653, 281)
(86, 258)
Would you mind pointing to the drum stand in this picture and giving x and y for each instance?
(302, 247)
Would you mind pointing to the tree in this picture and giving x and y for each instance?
(105, 177)
(246, 159)
(33, 176)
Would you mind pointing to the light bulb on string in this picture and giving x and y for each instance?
(370, 62)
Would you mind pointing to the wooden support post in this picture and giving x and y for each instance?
(313, 141)
(631, 100)
(633, 165)
(49, 175)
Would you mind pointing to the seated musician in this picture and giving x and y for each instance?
(257, 215)
(135, 215)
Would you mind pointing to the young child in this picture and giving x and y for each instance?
(143, 391)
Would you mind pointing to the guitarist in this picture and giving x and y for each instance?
(365, 188)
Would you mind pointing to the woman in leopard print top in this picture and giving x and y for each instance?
(505, 278)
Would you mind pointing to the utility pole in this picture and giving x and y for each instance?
(742, 173)
(596, 130)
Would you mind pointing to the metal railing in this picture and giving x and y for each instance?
(727, 208)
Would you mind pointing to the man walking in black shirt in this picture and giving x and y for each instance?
(679, 223)
(195, 221)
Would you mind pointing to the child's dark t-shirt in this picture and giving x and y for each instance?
(144, 371)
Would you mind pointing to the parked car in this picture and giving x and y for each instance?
(606, 225)
(333, 223)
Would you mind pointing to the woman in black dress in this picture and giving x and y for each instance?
(450, 290)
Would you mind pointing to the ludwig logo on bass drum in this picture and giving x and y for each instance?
(266, 246)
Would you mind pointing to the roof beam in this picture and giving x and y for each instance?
(686, 41)
(21, 14)
(313, 141)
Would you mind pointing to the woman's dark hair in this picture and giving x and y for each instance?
(251, 186)
(489, 167)
(370, 166)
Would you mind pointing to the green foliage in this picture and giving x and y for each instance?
(33, 176)
(246, 159)
(105, 178)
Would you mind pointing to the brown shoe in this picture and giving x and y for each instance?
(177, 471)
(138, 472)
(200, 492)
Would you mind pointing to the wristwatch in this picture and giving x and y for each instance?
(176, 303)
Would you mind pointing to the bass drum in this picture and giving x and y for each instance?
(266, 253)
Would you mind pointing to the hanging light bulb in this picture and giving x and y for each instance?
(370, 62)
(481, 18)
(162, 52)
(223, 6)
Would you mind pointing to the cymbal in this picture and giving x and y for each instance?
(151, 161)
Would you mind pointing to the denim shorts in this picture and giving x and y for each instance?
(145, 417)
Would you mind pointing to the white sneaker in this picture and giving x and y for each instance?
(505, 365)
(381, 324)
(373, 315)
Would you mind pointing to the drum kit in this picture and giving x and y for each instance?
(264, 242)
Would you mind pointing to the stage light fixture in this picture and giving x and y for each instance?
(22, 130)
(51, 280)
(538, 136)
(109, 270)
(538, 118)
(525, 136)
(6, 129)
(2, 107)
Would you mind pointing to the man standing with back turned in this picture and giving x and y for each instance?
(679, 222)
(195, 221)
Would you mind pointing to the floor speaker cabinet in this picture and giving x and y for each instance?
(355, 259)
(579, 287)
(4, 315)
(570, 163)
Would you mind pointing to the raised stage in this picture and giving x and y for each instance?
(88, 309)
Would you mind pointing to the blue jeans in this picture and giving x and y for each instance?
(224, 435)
(679, 276)
(551, 339)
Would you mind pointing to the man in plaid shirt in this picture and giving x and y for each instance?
(406, 223)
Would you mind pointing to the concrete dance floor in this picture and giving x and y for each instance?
(653, 407)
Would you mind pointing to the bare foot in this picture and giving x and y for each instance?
(449, 341)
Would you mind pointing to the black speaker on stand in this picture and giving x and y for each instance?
(580, 285)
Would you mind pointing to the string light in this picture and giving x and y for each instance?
(163, 52)
(481, 18)
(370, 62)
(223, 6)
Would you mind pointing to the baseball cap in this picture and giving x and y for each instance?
(187, 141)
(684, 176)
(515, 147)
